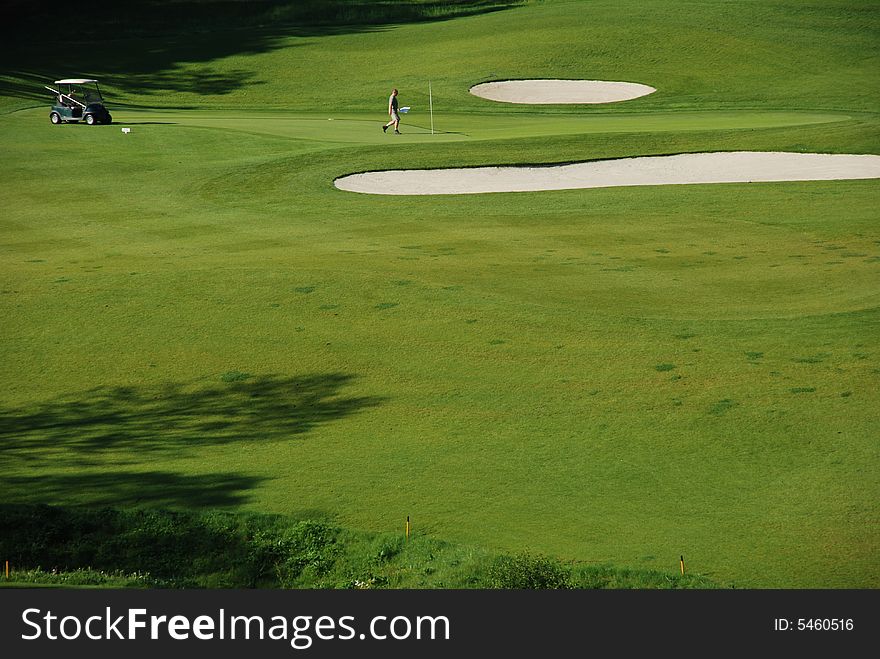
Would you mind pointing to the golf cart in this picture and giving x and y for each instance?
(78, 99)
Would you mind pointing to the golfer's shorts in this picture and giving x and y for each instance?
(395, 116)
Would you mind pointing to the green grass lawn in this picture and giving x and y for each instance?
(194, 317)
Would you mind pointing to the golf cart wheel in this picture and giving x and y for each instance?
(109, 120)
(90, 119)
(55, 118)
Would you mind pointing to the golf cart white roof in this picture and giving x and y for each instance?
(74, 81)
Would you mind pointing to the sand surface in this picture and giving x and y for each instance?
(733, 167)
(545, 92)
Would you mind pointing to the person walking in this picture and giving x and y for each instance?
(394, 113)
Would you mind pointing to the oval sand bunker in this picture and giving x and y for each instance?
(545, 92)
(734, 167)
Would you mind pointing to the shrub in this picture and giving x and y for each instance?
(527, 572)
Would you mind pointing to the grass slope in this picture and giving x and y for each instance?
(137, 548)
(193, 317)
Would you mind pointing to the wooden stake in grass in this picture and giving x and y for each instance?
(681, 563)
(407, 528)
(7, 570)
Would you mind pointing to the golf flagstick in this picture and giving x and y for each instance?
(431, 106)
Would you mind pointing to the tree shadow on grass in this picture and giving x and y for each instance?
(161, 489)
(166, 547)
(133, 422)
(138, 47)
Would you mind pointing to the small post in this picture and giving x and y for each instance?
(431, 106)
(407, 528)
(681, 563)
(7, 570)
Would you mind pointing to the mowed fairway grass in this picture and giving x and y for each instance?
(194, 317)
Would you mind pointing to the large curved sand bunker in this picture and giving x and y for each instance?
(733, 167)
(548, 92)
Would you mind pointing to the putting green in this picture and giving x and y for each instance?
(416, 126)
